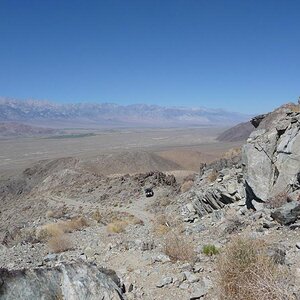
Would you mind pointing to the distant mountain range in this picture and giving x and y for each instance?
(112, 115)
(17, 129)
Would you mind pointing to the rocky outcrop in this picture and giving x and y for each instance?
(256, 120)
(271, 155)
(213, 190)
(66, 281)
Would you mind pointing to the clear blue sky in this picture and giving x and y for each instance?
(238, 55)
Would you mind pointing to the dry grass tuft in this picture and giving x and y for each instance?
(179, 247)
(161, 225)
(74, 224)
(160, 229)
(47, 231)
(60, 243)
(97, 216)
(245, 271)
(213, 175)
(293, 107)
(50, 214)
(131, 219)
(117, 227)
(186, 186)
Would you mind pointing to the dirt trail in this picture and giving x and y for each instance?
(138, 208)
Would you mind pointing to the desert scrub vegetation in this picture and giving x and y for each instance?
(210, 250)
(213, 175)
(60, 243)
(245, 271)
(50, 230)
(97, 216)
(161, 225)
(179, 247)
(186, 186)
(116, 226)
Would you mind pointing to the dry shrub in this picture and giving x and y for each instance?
(131, 219)
(60, 243)
(233, 152)
(161, 220)
(186, 186)
(117, 227)
(179, 247)
(57, 213)
(160, 229)
(50, 214)
(213, 175)
(293, 107)
(278, 200)
(164, 201)
(47, 231)
(74, 224)
(245, 271)
(97, 216)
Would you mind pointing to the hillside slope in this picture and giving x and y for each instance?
(240, 132)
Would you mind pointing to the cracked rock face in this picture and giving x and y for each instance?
(66, 281)
(271, 155)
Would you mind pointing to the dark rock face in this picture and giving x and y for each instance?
(67, 281)
(287, 214)
(256, 120)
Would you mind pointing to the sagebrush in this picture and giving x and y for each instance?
(245, 271)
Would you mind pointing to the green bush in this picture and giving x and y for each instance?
(210, 250)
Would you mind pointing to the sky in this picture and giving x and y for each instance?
(237, 55)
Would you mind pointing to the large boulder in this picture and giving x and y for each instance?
(287, 213)
(271, 154)
(74, 281)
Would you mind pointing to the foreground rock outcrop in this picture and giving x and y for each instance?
(269, 168)
(65, 281)
(271, 155)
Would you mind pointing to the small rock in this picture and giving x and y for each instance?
(198, 268)
(298, 245)
(190, 207)
(268, 224)
(165, 281)
(294, 226)
(198, 293)
(162, 258)
(184, 286)
(190, 277)
(50, 257)
(185, 267)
